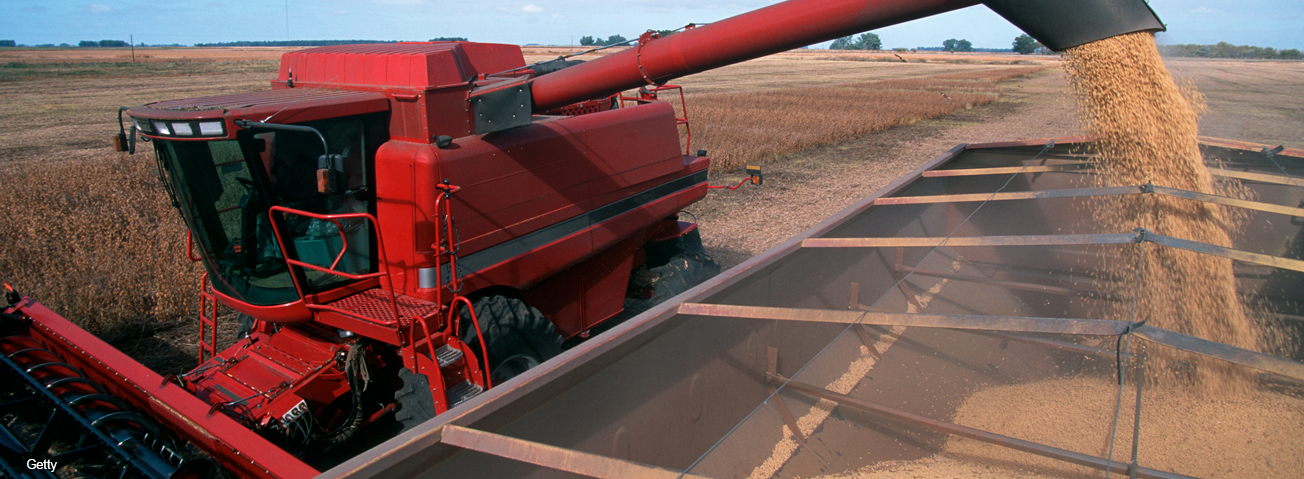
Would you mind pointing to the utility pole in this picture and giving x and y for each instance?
(133, 47)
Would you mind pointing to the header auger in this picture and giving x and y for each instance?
(404, 226)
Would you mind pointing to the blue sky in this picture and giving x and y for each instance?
(1272, 23)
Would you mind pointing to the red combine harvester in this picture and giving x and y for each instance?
(404, 226)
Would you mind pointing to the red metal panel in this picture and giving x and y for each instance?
(396, 205)
(560, 299)
(406, 65)
(355, 69)
(606, 278)
(398, 70)
(553, 167)
(490, 58)
(446, 113)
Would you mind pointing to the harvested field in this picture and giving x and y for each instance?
(55, 149)
(767, 125)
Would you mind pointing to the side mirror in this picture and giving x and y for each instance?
(330, 173)
(121, 142)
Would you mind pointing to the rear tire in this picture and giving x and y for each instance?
(517, 336)
(683, 272)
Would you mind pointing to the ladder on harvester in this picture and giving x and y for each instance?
(428, 332)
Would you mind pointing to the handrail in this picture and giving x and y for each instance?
(190, 246)
(443, 233)
(648, 94)
(383, 268)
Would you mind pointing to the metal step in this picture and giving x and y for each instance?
(463, 392)
(447, 354)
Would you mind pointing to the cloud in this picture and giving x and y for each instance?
(531, 8)
(1204, 10)
(100, 8)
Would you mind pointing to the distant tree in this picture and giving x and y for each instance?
(949, 44)
(963, 46)
(449, 39)
(615, 40)
(1290, 54)
(866, 41)
(665, 33)
(586, 41)
(869, 41)
(88, 43)
(1025, 44)
(113, 43)
(8, 43)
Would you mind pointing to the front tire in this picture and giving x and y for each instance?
(415, 405)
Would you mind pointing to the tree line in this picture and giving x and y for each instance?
(103, 43)
(1227, 50)
(589, 41)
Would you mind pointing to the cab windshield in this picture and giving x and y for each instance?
(224, 189)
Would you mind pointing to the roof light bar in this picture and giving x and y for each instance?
(182, 128)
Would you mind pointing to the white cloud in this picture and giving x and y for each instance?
(531, 8)
(1204, 10)
(99, 8)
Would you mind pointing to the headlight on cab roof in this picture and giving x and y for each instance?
(211, 128)
(142, 125)
(183, 128)
(161, 127)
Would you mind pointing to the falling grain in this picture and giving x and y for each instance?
(1147, 133)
